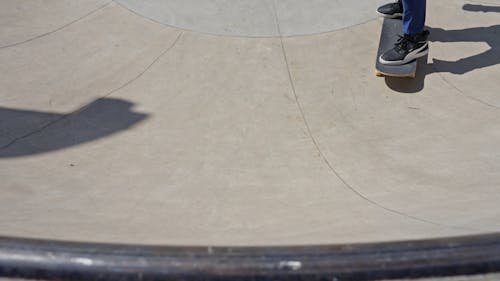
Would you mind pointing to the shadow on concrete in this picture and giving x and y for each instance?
(489, 35)
(481, 8)
(408, 85)
(24, 133)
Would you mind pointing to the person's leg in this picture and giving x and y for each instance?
(413, 43)
(414, 16)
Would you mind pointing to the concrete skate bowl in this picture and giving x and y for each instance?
(254, 124)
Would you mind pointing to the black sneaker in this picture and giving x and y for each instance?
(407, 49)
(391, 10)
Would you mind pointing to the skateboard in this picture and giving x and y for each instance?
(391, 28)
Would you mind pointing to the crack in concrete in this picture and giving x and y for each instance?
(243, 36)
(325, 159)
(463, 94)
(57, 29)
(460, 91)
(82, 109)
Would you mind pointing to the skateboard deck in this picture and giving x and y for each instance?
(391, 28)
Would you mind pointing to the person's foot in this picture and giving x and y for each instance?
(407, 49)
(391, 10)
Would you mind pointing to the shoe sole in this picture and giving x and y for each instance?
(393, 16)
(424, 50)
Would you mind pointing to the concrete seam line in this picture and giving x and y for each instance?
(58, 29)
(85, 107)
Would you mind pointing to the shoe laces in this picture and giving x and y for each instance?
(403, 42)
(395, 5)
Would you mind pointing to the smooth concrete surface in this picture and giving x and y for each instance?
(256, 18)
(118, 128)
(30, 19)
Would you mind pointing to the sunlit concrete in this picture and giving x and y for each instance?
(256, 18)
(118, 128)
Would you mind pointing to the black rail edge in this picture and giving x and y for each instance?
(58, 260)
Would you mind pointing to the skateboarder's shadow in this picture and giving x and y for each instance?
(489, 35)
(27, 132)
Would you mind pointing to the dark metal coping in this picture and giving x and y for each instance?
(56, 260)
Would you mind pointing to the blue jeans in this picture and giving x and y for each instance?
(413, 16)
